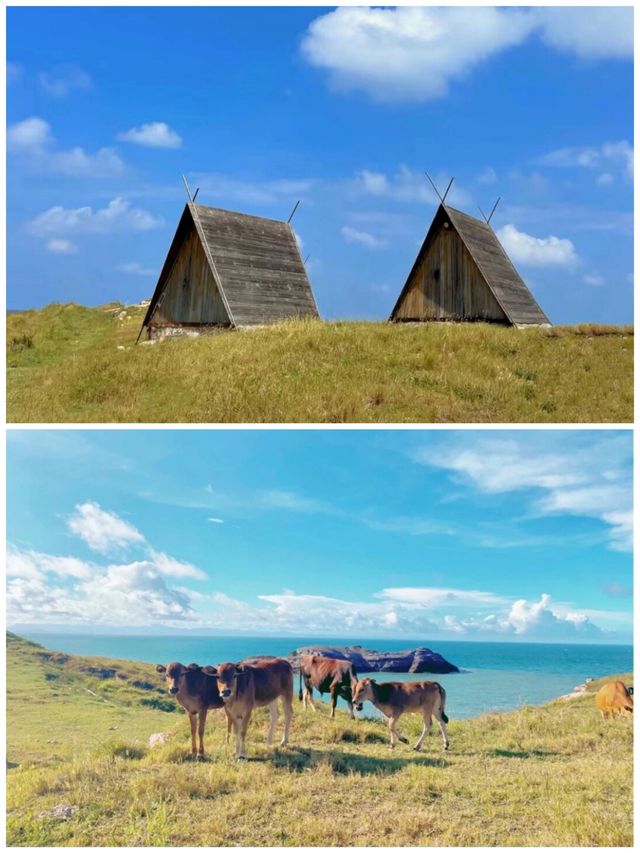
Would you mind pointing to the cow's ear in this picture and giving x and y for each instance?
(239, 670)
(372, 681)
(209, 670)
(161, 668)
(193, 666)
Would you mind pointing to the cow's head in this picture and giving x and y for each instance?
(362, 690)
(227, 675)
(175, 674)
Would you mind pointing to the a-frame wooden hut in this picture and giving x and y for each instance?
(463, 273)
(227, 269)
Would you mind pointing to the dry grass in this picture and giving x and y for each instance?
(554, 775)
(72, 364)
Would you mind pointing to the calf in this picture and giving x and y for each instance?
(197, 693)
(327, 675)
(243, 687)
(395, 698)
(614, 699)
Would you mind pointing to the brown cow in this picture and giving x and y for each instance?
(395, 698)
(197, 693)
(243, 687)
(614, 699)
(327, 675)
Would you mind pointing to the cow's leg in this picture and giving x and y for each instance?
(334, 702)
(287, 707)
(237, 727)
(243, 726)
(193, 722)
(229, 726)
(443, 728)
(273, 708)
(425, 730)
(350, 707)
(202, 719)
(308, 696)
(394, 732)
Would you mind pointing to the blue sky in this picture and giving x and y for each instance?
(476, 535)
(343, 109)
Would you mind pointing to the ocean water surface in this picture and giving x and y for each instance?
(495, 677)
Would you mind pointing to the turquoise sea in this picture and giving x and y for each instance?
(496, 676)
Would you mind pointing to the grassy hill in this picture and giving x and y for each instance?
(68, 363)
(78, 728)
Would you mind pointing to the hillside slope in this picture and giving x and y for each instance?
(81, 772)
(67, 363)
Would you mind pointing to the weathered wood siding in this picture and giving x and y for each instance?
(191, 294)
(447, 285)
(259, 266)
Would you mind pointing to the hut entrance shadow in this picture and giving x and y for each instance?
(299, 759)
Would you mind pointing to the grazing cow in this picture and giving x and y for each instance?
(327, 675)
(395, 698)
(197, 693)
(614, 699)
(243, 687)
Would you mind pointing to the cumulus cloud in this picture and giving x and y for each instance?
(408, 53)
(537, 251)
(64, 79)
(61, 247)
(155, 134)
(416, 53)
(102, 531)
(362, 238)
(118, 215)
(594, 483)
(173, 568)
(33, 140)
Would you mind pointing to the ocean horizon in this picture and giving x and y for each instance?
(494, 676)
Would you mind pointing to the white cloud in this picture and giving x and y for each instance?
(415, 53)
(363, 238)
(537, 251)
(216, 520)
(593, 482)
(283, 499)
(594, 280)
(283, 191)
(103, 531)
(118, 215)
(155, 134)
(173, 568)
(604, 32)
(408, 186)
(136, 268)
(605, 179)
(14, 72)
(35, 565)
(64, 79)
(32, 138)
(487, 176)
(30, 133)
(432, 597)
(408, 53)
(606, 156)
(62, 247)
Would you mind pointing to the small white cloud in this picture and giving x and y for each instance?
(118, 215)
(31, 133)
(608, 155)
(282, 192)
(136, 268)
(594, 280)
(216, 520)
(408, 186)
(605, 179)
(155, 134)
(537, 251)
(32, 138)
(14, 72)
(363, 238)
(103, 531)
(487, 176)
(62, 247)
(64, 79)
(173, 568)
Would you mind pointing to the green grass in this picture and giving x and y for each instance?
(551, 775)
(64, 365)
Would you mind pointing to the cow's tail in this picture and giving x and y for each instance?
(443, 699)
(300, 690)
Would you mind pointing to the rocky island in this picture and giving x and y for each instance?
(420, 659)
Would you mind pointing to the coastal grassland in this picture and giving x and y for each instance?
(67, 363)
(551, 775)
